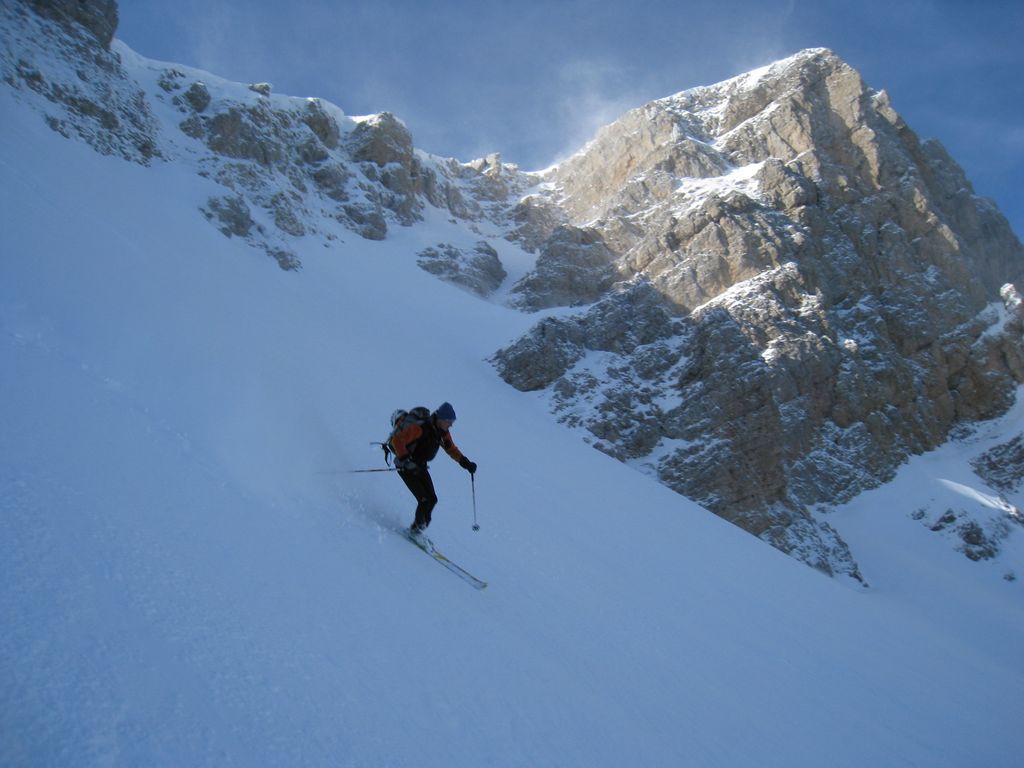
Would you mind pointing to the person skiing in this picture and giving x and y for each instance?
(416, 444)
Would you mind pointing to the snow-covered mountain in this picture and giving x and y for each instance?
(793, 295)
(190, 575)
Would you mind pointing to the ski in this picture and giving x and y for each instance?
(427, 546)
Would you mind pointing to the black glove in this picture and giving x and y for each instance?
(468, 465)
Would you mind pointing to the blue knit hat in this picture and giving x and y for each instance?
(445, 412)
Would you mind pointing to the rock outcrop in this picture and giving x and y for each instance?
(290, 168)
(479, 271)
(834, 286)
(59, 53)
(1002, 467)
(574, 266)
(97, 17)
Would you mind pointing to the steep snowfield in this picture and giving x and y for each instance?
(189, 576)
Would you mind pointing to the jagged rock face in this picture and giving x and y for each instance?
(381, 140)
(58, 51)
(289, 168)
(805, 138)
(479, 271)
(316, 164)
(98, 17)
(574, 266)
(835, 286)
(1002, 467)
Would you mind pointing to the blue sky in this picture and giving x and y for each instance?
(534, 80)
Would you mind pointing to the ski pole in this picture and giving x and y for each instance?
(361, 471)
(472, 485)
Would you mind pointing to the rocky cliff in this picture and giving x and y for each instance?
(287, 168)
(59, 52)
(805, 295)
(782, 292)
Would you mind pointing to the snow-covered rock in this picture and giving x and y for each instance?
(837, 283)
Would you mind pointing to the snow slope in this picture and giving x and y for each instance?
(190, 576)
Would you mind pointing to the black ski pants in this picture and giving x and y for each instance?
(421, 486)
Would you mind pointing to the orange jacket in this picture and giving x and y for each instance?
(421, 443)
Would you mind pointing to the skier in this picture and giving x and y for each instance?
(414, 446)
